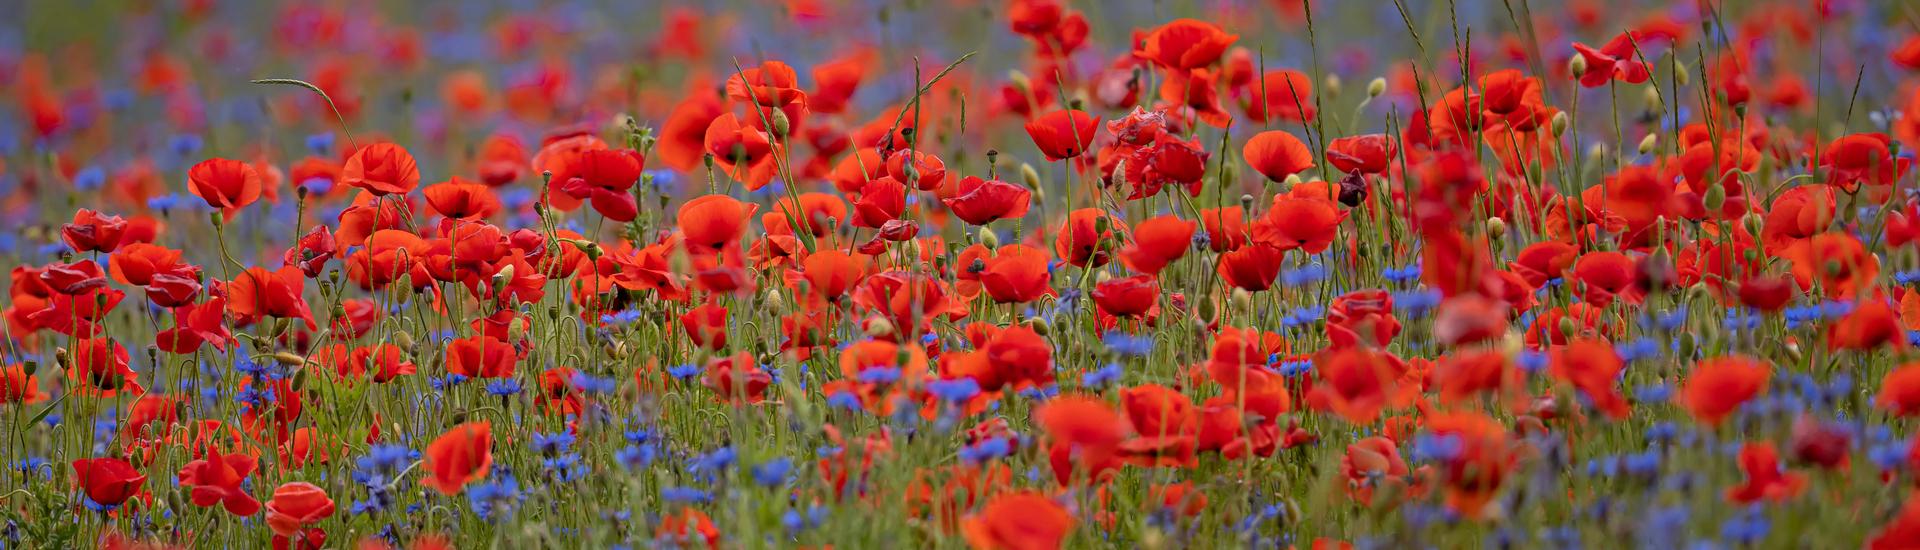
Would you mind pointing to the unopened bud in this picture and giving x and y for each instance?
(989, 238)
(289, 358)
(1680, 75)
(780, 124)
(1577, 66)
(1029, 176)
(1715, 198)
(879, 326)
(1242, 300)
(1376, 87)
(1333, 85)
(1496, 227)
(1647, 144)
(1654, 101)
(1559, 124)
(1753, 223)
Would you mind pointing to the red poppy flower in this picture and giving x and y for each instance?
(980, 202)
(1617, 59)
(501, 160)
(1368, 154)
(830, 274)
(1158, 242)
(911, 300)
(295, 505)
(683, 136)
(1127, 297)
(713, 222)
(1088, 237)
(1480, 463)
(881, 200)
(18, 387)
(195, 325)
(1281, 94)
(1226, 227)
(460, 199)
(1900, 391)
(1370, 464)
(1766, 479)
(925, 172)
(741, 151)
(1839, 264)
(1543, 261)
(460, 456)
(1356, 383)
(1605, 275)
(100, 368)
(1591, 366)
(108, 481)
(1023, 520)
(257, 293)
(603, 177)
(136, 263)
(706, 326)
(1769, 294)
(1253, 267)
(1797, 215)
(1863, 158)
(1017, 273)
(216, 480)
(1871, 324)
(382, 169)
(737, 379)
(1063, 134)
(1184, 44)
(1277, 154)
(225, 184)
(1362, 317)
(1307, 224)
(772, 84)
(1716, 387)
(818, 212)
(481, 356)
(89, 232)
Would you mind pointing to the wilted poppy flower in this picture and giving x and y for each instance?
(225, 184)
(1716, 387)
(215, 480)
(460, 456)
(295, 505)
(1184, 44)
(1018, 521)
(382, 169)
(108, 481)
(92, 232)
(981, 201)
(1277, 154)
(1063, 134)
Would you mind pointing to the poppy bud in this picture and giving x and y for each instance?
(1793, 351)
(1568, 328)
(774, 300)
(1559, 124)
(300, 379)
(1597, 152)
(289, 358)
(1654, 103)
(1333, 85)
(1029, 176)
(1686, 344)
(781, 125)
(1577, 66)
(1376, 87)
(879, 326)
(1496, 227)
(1038, 325)
(1751, 255)
(1648, 143)
(30, 367)
(1242, 300)
(404, 339)
(1205, 310)
(1020, 80)
(1699, 291)
(1680, 74)
(1715, 198)
(1753, 223)
(989, 238)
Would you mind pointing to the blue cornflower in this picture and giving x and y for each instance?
(714, 462)
(320, 143)
(552, 444)
(988, 449)
(1127, 344)
(685, 495)
(495, 499)
(773, 472)
(684, 371)
(90, 178)
(1102, 377)
(502, 387)
(956, 390)
(636, 457)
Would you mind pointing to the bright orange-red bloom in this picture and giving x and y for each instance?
(1871, 324)
(1900, 391)
(1016, 273)
(224, 183)
(460, 199)
(1063, 134)
(381, 169)
(1158, 242)
(90, 231)
(1356, 383)
(1766, 479)
(1276, 154)
(1591, 366)
(1184, 44)
(1838, 264)
(257, 293)
(980, 202)
(1018, 521)
(1127, 296)
(108, 481)
(1307, 224)
(1365, 154)
(1476, 469)
(1089, 237)
(1717, 387)
(216, 480)
(713, 222)
(296, 505)
(481, 356)
(1372, 463)
(1253, 267)
(1605, 275)
(460, 456)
